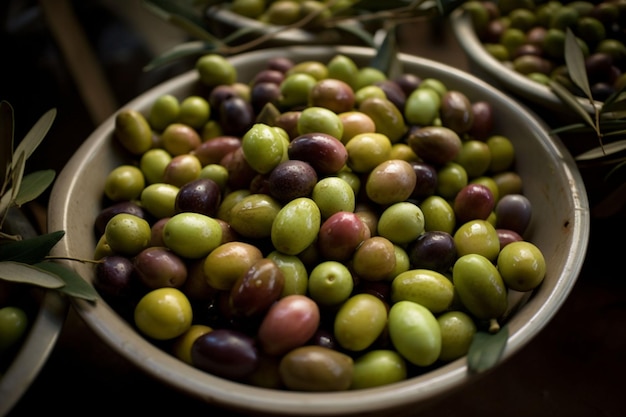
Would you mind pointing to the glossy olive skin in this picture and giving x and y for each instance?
(202, 196)
(316, 369)
(474, 201)
(340, 235)
(325, 153)
(227, 353)
(435, 144)
(159, 267)
(360, 321)
(292, 179)
(257, 289)
(433, 250)
(213, 150)
(115, 276)
(108, 212)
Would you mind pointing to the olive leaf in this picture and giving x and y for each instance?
(386, 58)
(75, 285)
(575, 62)
(572, 101)
(33, 185)
(36, 134)
(28, 274)
(486, 349)
(31, 250)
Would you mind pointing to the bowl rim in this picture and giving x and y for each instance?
(239, 396)
(483, 61)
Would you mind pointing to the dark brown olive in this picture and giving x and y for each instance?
(598, 67)
(435, 144)
(288, 121)
(456, 111)
(114, 276)
(236, 116)
(433, 250)
(240, 173)
(483, 120)
(230, 354)
(199, 196)
(513, 212)
(407, 82)
(219, 94)
(325, 153)
(393, 92)
(263, 93)
(212, 151)
(426, 180)
(254, 292)
(292, 179)
(506, 236)
(333, 94)
(159, 267)
(529, 64)
(281, 64)
(268, 76)
(473, 202)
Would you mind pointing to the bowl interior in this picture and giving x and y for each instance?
(486, 67)
(559, 227)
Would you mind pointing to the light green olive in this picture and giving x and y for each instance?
(479, 286)
(294, 270)
(391, 181)
(401, 222)
(13, 326)
(521, 265)
(296, 226)
(457, 332)
(163, 314)
(430, 289)
(342, 67)
(475, 157)
(438, 214)
(263, 147)
(367, 150)
(477, 236)
(159, 199)
(414, 332)
(451, 178)
(127, 234)
(214, 70)
(253, 215)
(320, 119)
(164, 111)
(332, 195)
(153, 164)
(422, 106)
(179, 139)
(194, 111)
(295, 90)
(360, 321)
(377, 368)
(133, 131)
(192, 235)
(368, 76)
(502, 153)
(330, 283)
(125, 182)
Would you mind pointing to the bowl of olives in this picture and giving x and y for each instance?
(519, 46)
(291, 231)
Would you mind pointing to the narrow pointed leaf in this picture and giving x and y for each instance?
(358, 32)
(36, 134)
(179, 51)
(386, 59)
(28, 274)
(575, 62)
(601, 151)
(193, 29)
(17, 174)
(75, 285)
(33, 185)
(6, 139)
(32, 250)
(572, 101)
(486, 349)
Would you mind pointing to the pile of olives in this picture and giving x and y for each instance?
(287, 12)
(529, 37)
(320, 227)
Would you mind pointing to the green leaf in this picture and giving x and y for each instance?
(8, 199)
(75, 285)
(32, 250)
(386, 59)
(575, 62)
(6, 140)
(602, 151)
(179, 51)
(358, 32)
(28, 274)
(33, 185)
(36, 134)
(486, 349)
(572, 101)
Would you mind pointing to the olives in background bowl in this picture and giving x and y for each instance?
(551, 183)
(519, 46)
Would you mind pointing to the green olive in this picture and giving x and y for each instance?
(475, 157)
(253, 215)
(296, 226)
(194, 111)
(333, 194)
(164, 111)
(316, 368)
(125, 182)
(229, 261)
(430, 289)
(263, 147)
(438, 214)
(374, 259)
(451, 178)
(320, 119)
(163, 314)
(214, 70)
(360, 321)
(388, 119)
(522, 266)
(133, 131)
(179, 139)
(127, 234)
(457, 332)
(367, 150)
(479, 237)
(401, 222)
(192, 235)
(414, 332)
(422, 106)
(330, 283)
(295, 272)
(502, 153)
(153, 164)
(377, 368)
(159, 199)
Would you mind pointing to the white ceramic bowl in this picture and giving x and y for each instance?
(42, 335)
(560, 228)
(486, 67)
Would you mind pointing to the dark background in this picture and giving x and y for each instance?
(574, 367)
